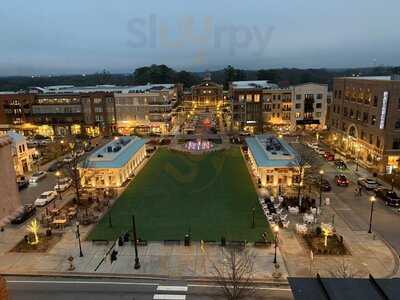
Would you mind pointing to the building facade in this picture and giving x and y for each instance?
(113, 164)
(310, 105)
(9, 200)
(272, 161)
(21, 154)
(207, 94)
(365, 120)
(277, 107)
(247, 104)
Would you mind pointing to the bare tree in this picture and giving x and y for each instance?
(73, 172)
(343, 270)
(235, 273)
(302, 162)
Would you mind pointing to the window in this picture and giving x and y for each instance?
(345, 112)
(270, 178)
(318, 114)
(398, 103)
(298, 105)
(365, 117)
(298, 97)
(373, 120)
(351, 113)
(396, 143)
(97, 100)
(319, 96)
(358, 115)
(98, 109)
(340, 94)
(298, 115)
(318, 105)
(371, 139)
(375, 101)
(257, 98)
(397, 124)
(273, 106)
(378, 142)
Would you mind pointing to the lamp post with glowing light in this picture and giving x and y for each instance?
(321, 173)
(276, 231)
(372, 200)
(58, 174)
(357, 149)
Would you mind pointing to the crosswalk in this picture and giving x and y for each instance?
(168, 292)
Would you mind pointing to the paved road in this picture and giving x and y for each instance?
(24, 288)
(33, 191)
(386, 221)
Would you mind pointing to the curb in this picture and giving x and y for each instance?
(274, 282)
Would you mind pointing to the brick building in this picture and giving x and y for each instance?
(365, 120)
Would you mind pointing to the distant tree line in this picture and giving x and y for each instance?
(165, 74)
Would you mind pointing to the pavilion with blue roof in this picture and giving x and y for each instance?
(112, 164)
(273, 161)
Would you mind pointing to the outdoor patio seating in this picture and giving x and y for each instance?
(286, 224)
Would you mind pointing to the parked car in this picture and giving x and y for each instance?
(37, 176)
(45, 198)
(389, 197)
(320, 151)
(63, 184)
(55, 166)
(368, 183)
(341, 180)
(329, 156)
(28, 211)
(22, 182)
(340, 164)
(68, 159)
(325, 186)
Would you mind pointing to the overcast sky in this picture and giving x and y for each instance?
(60, 37)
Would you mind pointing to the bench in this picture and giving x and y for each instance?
(172, 242)
(140, 243)
(236, 243)
(100, 242)
(262, 244)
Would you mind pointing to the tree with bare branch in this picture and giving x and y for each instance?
(343, 269)
(302, 162)
(3, 289)
(235, 273)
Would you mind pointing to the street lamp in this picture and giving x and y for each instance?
(276, 231)
(321, 173)
(372, 199)
(254, 223)
(58, 174)
(78, 236)
(357, 148)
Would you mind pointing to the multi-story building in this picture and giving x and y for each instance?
(21, 154)
(147, 111)
(9, 200)
(310, 105)
(259, 103)
(207, 94)
(365, 120)
(247, 104)
(277, 107)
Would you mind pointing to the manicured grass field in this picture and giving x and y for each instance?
(211, 195)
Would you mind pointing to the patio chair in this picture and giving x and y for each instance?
(286, 224)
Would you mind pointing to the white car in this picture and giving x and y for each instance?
(63, 184)
(80, 153)
(320, 151)
(68, 159)
(37, 176)
(368, 183)
(45, 198)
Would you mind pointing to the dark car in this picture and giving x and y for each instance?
(325, 186)
(339, 164)
(28, 211)
(341, 180)
(390, 197)
(55, 166)
(22, 182)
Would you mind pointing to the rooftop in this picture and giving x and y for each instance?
(70, 89)
(269, 151)
(251, 84)
(16, 137)
(383, 78)
(115, 154)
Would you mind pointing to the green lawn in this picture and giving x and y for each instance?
(211, 195)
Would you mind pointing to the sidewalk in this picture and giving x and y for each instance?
(368, 253)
